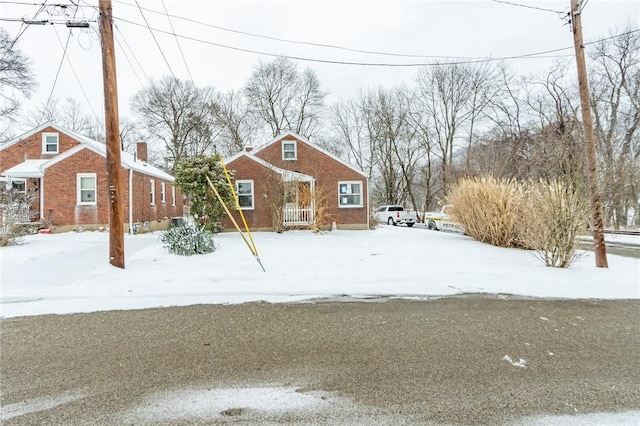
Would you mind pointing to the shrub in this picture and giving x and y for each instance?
(490, 210)
(546, 216)
(558, 214)
(187, 239)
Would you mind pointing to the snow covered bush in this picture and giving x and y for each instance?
(14, 215)
(187, 239)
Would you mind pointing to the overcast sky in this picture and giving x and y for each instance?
(211, 34)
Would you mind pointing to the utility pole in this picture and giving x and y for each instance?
(587, 121)
(112, 126)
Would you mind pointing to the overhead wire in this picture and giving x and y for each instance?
(22, 30)
(535, 55)
(528, 6)
(55, 81)
(84, 93)
(117, 38)
(283, 40)
(178, 43)
(156, 41)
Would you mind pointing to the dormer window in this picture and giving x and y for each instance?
(50, 143)
(289, 151)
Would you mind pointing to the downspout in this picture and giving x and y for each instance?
(42, 199)
(130, 201)
(368, 210)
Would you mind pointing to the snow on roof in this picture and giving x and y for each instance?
(27, 169)
(128, 160)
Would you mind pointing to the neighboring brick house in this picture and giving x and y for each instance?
(67, 173)
(284, 172)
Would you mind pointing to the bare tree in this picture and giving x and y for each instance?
(16, 77)
(450, 98)
(177, 114)
(237, 124)
(69, 114)
(285, 99)
(615, 98)
(353, 134)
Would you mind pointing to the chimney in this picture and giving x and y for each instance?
(248, 148)
(141, 151)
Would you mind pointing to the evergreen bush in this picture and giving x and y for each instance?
(188, 239)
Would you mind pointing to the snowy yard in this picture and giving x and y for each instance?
(64, 273)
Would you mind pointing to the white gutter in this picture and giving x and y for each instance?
(42, 199)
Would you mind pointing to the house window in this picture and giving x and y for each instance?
(163, 196)
(173, 195)
(244, 188)
(50, 143)
(289, 150)
(86, 188)
(152, 192)
(349, 194)
(19, 186)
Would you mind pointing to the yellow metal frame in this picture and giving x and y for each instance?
(250, 243)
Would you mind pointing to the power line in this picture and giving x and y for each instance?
(535, 55)
(22, 30)
(157, 44)
(76, 75)
(127, 56)
(528, 6)
(307, 43)
(55, 81)
(178, 43)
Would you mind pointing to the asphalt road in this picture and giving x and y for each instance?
(460, 360)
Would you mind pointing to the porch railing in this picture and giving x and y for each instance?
(297, 217)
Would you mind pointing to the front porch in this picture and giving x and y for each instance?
(299, 208)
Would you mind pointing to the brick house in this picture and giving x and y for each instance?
(300, 179)
(67, 174)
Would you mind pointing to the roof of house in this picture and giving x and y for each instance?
(128, 160)
(287, 175)
(306, 141)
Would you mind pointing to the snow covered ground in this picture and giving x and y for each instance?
(65, 273)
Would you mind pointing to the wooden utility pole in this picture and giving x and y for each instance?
(587, 121)
(112, 129)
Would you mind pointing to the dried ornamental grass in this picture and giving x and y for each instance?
(489, 209)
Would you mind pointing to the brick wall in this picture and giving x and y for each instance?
(258, 218)
(326, 170)
(30, 148)
(61, 191)
(143, 210)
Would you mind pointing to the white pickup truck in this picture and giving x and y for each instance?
(394, 215)
(442, 220)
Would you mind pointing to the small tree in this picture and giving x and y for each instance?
(275, 198)
(318, 198)
(191, 178)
